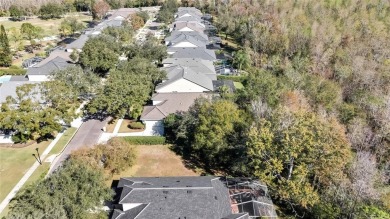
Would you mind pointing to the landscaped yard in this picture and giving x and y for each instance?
(156, 160)
(124, 128)
(14, 163)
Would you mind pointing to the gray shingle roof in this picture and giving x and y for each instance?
(195, 52)
(57, 63)
(193, 25)
(175, 197)
(189, 10)
(9, 89)
(189, 18)
(169, 103)
(197, 65)
(78, 43)
(186, 38)
(197, 35)
(177, 72)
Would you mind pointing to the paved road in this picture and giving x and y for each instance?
(87, 136)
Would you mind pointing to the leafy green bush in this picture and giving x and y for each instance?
(136, 125)
(11, 71)
(147, 140)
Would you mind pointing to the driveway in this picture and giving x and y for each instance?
(87, 136)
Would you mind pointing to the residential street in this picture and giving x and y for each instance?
(87, 136)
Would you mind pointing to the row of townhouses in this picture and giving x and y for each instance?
(190, 70)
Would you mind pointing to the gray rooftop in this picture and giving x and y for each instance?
(55, 64)
(173, 197)
(197, 35)
(177, 72)
(189, 10)
(194, 52)
(189, 18)
(167, 103)
(9, 89)
(197, 65)
(78, 43)
(193, 25)
(186, 38)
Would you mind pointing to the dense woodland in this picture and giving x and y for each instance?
(313, 119)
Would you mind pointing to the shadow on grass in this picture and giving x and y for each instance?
(192, 162)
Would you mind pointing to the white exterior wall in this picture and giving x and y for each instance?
(184, 44)
(6, 139)
(38, 77)
(153, 128)
(181, 86)
(186, 29)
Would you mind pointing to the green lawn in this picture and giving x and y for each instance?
(14, 163)
(63, 141)
(50, 27)
(238, 85)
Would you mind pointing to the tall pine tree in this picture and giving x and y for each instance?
(5, 51)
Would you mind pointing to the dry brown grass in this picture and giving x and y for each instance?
(111, 126)
(156, 160)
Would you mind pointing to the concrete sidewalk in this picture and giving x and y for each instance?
(27, 175)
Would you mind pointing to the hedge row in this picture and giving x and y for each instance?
(136, 125)
(233, 78)
(145, 140)
(12, 72)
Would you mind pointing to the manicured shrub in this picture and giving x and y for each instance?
(147, 140)
(136, 125)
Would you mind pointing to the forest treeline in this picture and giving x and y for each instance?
(313, 119)
(32, 7)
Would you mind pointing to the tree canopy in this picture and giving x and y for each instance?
(100, 53)
(70, 192)
(5, 50)
(70, 25)
(127, 89)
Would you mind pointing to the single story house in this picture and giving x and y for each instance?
(189, 197)
(43, 72)
(197, 35)
(163, 105)
(205, 67)
(9, 88)
(122, 13)
(183, 79)
(192, 10)
(185, 41)
(78, 44)
(188, 26)
(193, 53)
